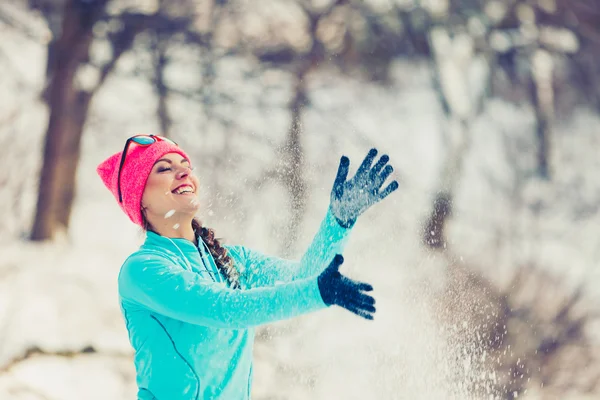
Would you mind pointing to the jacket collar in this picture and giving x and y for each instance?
(183, 250)
(174, 245)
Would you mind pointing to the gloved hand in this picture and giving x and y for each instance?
(344, 292)
(350, 198)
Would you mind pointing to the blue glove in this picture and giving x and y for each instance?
(350, 198)
(344, 292)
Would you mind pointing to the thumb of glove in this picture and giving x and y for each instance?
(336, 262)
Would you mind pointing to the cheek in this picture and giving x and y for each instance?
(157, 187)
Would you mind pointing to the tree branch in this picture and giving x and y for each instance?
(34, 351)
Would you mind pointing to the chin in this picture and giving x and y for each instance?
(188, 207)
(193, 206)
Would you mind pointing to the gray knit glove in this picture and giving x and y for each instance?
(350, 198)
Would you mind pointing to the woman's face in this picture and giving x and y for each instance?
(171, 188)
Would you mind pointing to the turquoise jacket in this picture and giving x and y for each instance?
(191, 333)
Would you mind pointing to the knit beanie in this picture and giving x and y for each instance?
(136, 169)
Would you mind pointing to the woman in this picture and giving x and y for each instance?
(190, 304)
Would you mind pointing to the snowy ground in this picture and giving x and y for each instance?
(61, 297)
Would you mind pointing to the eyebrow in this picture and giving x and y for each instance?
(171, 162)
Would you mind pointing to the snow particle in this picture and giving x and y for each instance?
(169, 213)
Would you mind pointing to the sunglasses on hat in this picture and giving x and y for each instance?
(140, 140)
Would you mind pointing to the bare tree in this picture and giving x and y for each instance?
(68, 109)
(523, 43)
(523, 332)
(69, 100)
(360, 52)
(160, 63)
(451, 71)
(292, 169)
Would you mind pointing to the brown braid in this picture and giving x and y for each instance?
(219, 253)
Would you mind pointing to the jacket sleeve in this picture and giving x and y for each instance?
(160, 285)
(260, 270)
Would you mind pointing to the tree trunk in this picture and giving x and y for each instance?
(456, 128)
(543, 150)
(71, 152)
(160, 63)
(68, 109)
(433, 235)
(293, 167)
(543, 110)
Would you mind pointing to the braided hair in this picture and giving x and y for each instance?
(219, 253)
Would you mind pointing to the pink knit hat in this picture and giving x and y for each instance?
(136, 169)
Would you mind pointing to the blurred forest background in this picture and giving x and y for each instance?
(486, 261)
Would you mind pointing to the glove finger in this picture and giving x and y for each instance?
(356, 285)
(350, 295)
(388, 190)
(360, 312)
(342, 174)
(363, 304)
(365, 299)
(362, 300)
(366, 164)
(367, 307)
(365, 287)
(384, 175)
(379, 165)
(338, 260)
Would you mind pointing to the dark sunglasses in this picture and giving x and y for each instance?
(140, 140)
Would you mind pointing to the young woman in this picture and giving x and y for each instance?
(190, 304)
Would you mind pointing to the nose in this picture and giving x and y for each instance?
(183, 172)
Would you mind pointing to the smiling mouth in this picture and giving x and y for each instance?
(184, 189)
